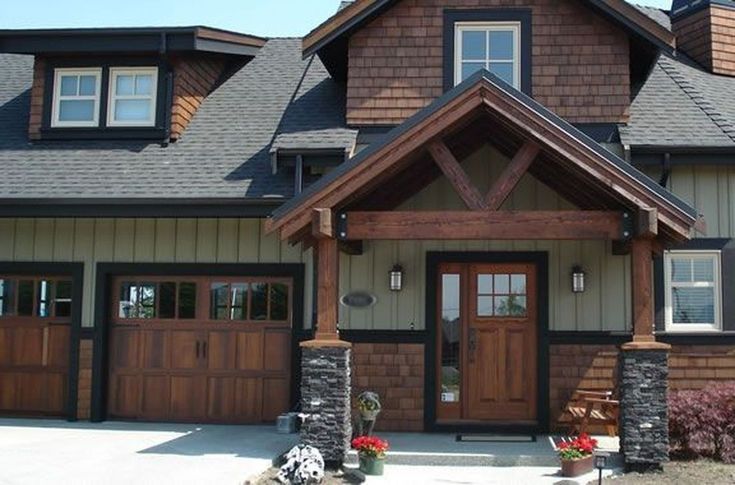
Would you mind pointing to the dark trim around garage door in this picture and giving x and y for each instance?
(76, 272)
(105, 272)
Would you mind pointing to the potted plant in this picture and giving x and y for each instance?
(371, 452)
(368, 403)
(576, 455)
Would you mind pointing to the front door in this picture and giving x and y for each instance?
(488, 343)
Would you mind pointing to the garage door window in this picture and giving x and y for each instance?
(249, 301)
(157, 300)
(35, 297)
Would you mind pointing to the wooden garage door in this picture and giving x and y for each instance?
(200, 349)
(35, 326)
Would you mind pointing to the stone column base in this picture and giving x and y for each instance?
(644, 420)
(326, 400)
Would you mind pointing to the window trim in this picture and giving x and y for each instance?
(112, 97)
(716, 257)
(514, 26)
(56, 97)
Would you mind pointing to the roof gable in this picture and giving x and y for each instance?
(484, 93)
(329, 38)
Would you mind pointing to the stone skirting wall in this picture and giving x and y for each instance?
(84, 393)
(396, 373)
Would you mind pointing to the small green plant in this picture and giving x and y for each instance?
(580, 447)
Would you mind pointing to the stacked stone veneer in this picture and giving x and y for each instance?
(325, 399)
(644, 423)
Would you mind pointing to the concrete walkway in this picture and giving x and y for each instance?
(112, 453)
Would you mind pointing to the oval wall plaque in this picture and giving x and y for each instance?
(358, 299)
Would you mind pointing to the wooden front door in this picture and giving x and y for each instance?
(488, 343)
(200, 349)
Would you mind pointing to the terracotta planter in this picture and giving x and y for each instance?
(370, 465)
(574, 468)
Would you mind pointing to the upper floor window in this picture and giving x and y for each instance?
(82, 96)
(76, 97)
(132, 97)
(693, 290)
(493, 46)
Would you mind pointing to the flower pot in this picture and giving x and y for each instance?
(574, 468)
(371, 465)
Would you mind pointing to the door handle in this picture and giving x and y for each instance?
(472, 344)
(197, 349)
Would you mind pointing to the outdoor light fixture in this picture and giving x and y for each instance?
(578, 279)
(396, 278)
(600, 464)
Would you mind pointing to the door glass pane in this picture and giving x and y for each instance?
(187, 300)
(501, 308)
(694, 305)
(518, 284)
(469, 68)
(501, 45)
(167, 300)
(279, 301)
(502, 284)
(451, 337)
(62, 303)
(218, 301)
(259, 301)
(485, 306)
(25, 298)
(239, 301)
(485, 284)
(517, 306)
(76, 110)
(128, 299)
(474, 45)
(45, 297)
(7, 298)
(504, 70)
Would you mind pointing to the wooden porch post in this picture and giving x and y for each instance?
(642, 285)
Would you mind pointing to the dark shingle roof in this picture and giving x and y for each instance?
(225, 152)
(682, 105)
(315, 120)
(657, 14)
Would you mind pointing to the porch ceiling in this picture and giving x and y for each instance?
(484, 110)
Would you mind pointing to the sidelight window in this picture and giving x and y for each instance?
(451, 338)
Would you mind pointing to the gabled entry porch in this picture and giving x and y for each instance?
(487, 357)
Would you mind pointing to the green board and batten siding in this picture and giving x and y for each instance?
(93, 241)
(605, 305)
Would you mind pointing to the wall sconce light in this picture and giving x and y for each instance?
(578, 279)
(396, 278)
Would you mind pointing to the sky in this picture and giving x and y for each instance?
(268, 18)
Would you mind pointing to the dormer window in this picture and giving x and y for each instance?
(132, 97)
(76, 97)
(493, 46)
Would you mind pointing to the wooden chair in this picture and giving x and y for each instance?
(591, 408)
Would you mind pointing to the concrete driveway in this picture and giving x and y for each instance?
(46, 451)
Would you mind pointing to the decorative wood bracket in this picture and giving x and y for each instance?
(457, 176)
(512, 174)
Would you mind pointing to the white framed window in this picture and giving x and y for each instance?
(693, 291)
(132, 96)
(494, 46)
(76, 97)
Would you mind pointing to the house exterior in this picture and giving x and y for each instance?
(474, 208)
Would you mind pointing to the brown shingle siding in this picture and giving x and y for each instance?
(577, 59)
(84, 396)
(35, 118)
(708, 36)
(194, 79)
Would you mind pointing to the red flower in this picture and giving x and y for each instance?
(579, 447)
(370, 445)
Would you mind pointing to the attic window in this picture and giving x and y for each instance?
(132, 97)
(488, 45)
(76, 97)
